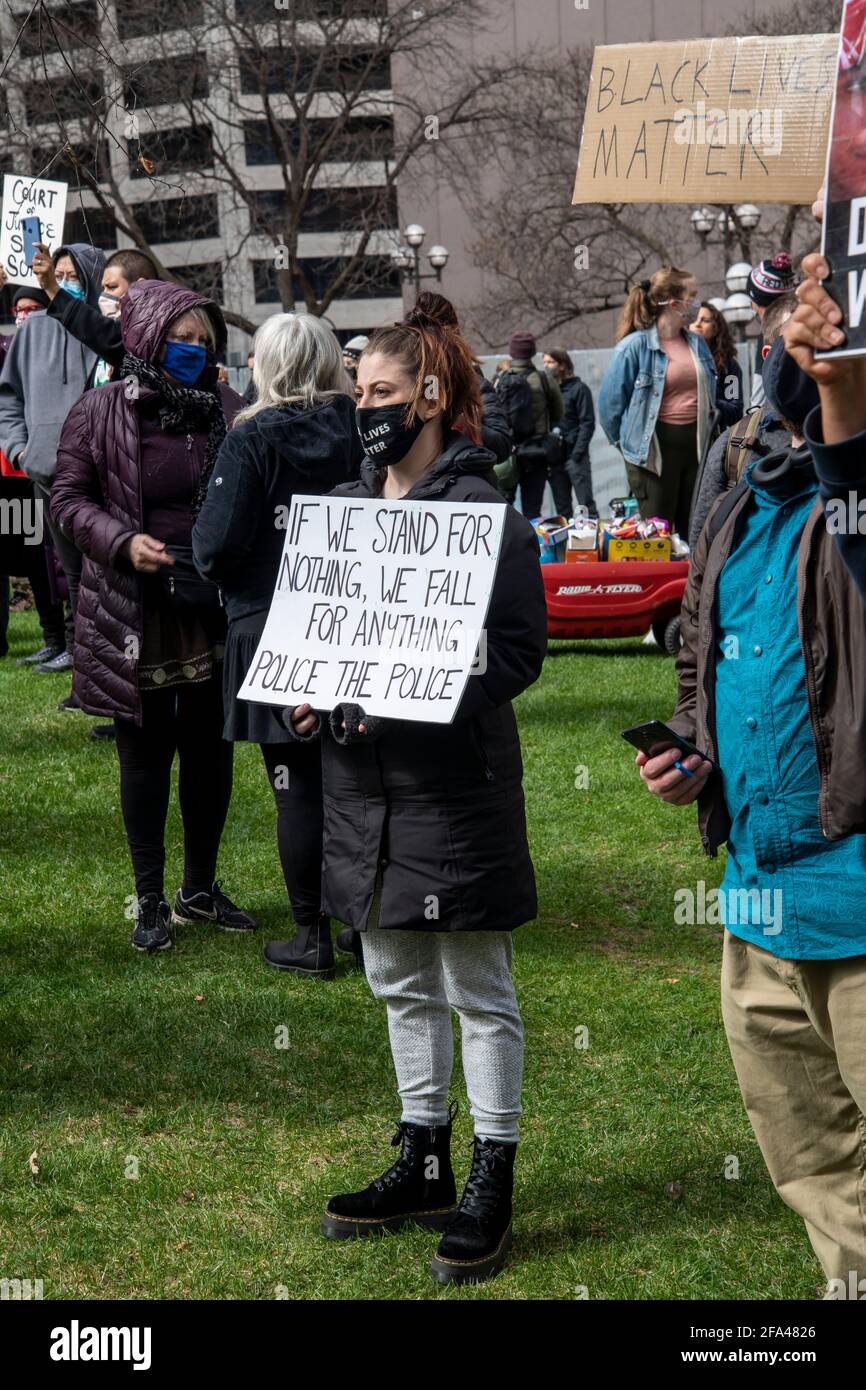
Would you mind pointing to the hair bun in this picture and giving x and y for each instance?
(432, 311)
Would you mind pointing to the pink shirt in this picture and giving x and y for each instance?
(680, 399)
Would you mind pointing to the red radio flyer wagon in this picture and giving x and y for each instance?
(616, 598)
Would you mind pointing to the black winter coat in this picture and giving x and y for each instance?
(435, 812)
(578, 421)
(90, 326)
(495, 429)
(262, 463)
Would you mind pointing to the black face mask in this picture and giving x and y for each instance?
(384, 433)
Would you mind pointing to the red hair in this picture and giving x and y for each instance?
(429, 344)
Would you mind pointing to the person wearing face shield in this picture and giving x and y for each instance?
(658, 395)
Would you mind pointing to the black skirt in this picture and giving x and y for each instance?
(246, 722)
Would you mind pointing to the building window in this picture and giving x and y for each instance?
(336, 69)
(92, 225)
(135, 20)
(206, 279)
(375, 278)
(178, 219)
(330, 210)
(58, 30)
(311, 10)
(186, 147)
(63, 99)
(359, 138)
(166, 80)
(77, 165)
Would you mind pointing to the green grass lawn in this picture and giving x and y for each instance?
(116, 1064)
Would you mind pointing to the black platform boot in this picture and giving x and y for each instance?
(309, 952)
(477, 1241)
(419, 1187)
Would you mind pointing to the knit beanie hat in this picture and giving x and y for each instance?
(771, 278)
(26, 292)
(522, 346)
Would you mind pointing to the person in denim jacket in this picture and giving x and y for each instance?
(658, 393)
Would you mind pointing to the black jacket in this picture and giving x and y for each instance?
(495, 429)
(578, 421)
(437, 810)
(262, 463)
(730, 408)
(90, 326)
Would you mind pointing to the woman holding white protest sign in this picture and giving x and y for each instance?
(298, 437)
(426, 851)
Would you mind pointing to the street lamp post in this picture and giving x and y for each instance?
(407, 259)
(730, 222)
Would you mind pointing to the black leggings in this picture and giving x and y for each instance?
(295, 775)
(187, 720)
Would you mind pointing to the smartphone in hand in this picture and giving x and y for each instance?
(654, 738)
(31, 235)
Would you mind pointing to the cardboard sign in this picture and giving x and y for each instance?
(707, 121)
(380, 604)
(843, 239)
(26, 197)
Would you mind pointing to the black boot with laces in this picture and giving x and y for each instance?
(419, 1187)
(477, 1241)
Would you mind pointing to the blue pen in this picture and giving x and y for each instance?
(685, 770)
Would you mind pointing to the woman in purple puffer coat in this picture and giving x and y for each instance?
(129, 462)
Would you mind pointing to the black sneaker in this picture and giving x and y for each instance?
(212, 907)
(69, 705)
(44, 654)
(152, 924)
(102, 731)
(57, 666)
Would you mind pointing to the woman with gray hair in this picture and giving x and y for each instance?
(299, 436)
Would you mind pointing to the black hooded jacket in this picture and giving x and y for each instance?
(434, 812)
(261, 465)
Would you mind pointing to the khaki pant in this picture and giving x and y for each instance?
(797, 1034)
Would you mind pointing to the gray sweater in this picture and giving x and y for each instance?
(44, 374)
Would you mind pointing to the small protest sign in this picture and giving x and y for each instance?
(28, 197)
(707, 120)
(844, 231)
(378, 603)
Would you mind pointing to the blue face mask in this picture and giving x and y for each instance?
(77, 291)
(185, 362)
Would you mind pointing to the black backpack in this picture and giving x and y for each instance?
(513, 390)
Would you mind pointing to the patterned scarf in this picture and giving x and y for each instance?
(183, 410)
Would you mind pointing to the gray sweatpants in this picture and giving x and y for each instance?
(422, 976)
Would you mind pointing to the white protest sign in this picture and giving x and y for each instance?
(26, 197)
(380, 604)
